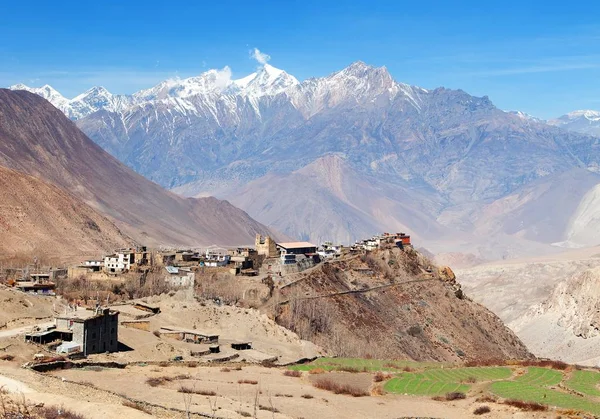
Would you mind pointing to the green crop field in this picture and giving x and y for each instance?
(539, 384)
(544, 377)
(332, 364)
(474, 374)
(532, 393)
(585, 382)
(415, 384)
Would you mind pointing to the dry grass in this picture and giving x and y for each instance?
(329, 385)
(482, 410)
(317, 371)
(190, 390)
(292, 373)
(555, 365)
(284, 395)
(137, 406)
(381, 376)
(486, 399)
(455, 395)
(157, 381)
(492, 362)
(225, 369)
(192, 364)
(253, 382)
(377, 390)
(268, 408)
(526, 406)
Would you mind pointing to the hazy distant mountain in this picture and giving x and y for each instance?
(586, 122)
(432, 162)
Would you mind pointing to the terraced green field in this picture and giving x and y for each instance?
(531, 393)
(332, 364)
(415, 384)
(539, 384)
(585, 382)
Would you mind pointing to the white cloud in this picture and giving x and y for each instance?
(259, 56)
(223, 78)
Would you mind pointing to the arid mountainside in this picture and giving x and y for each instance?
(567, 324)
(550, 302)
(385, 304)
(37, 139)
(38, 219)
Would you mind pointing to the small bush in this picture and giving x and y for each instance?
(237, 368)
(253, 382)
(156, 333)
(268, 408)
(380, 376)
(526, 406)
(189, 390)
(54, 412)
(283, 395)
(137, 406)
(154, 381)
(307, 396)
(377, 390)
(6, 357)
(486, 399)
(163, 364)
(192, 364)
(292, 373)
(481, 410)
(455, 395)
(329, 385)
(225, 369)
(555, 365)
(244, 414)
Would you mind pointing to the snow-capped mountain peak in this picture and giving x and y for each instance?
(584, 121)
(268, 80)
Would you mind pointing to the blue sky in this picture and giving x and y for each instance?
(538, 57)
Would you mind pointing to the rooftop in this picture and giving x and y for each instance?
(295, 245)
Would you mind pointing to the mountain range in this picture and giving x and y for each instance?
(36, 139)
(342, 156)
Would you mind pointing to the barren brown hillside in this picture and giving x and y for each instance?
(37, 139)
(39, 219)
(386, 305)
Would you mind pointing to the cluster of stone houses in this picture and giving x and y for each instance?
(400, 240)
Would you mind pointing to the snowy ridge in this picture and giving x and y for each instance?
(359, 80)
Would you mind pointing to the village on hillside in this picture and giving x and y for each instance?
(90, 324)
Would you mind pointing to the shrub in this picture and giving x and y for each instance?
(486, 399)
(137, 406)
(455, 395)
(307, 396)
(54, 412)
(156, 333)
(380, 376)
(292, 373)
(154, 381)
(268, 408)
(244, 414)
(6, 357)
(225, 369)
(253, 382)
(556, 365)
(192, 364)
(329, 385)
(163, 364)
(481, 410)
(283, 395)
(414, 331)
(189, 390)
(526, 406)
(377, 390)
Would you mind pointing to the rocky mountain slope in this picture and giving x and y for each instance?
(549, 301)
(385, 305)
(38, 219)
(586, 122)
(37, 139)
(442, 154)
